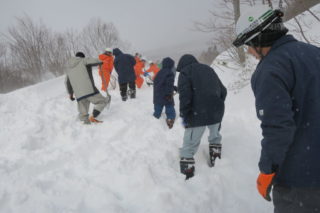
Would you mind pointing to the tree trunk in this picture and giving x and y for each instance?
(236, 9)
(298, 6)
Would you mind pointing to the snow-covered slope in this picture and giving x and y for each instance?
(51, 163)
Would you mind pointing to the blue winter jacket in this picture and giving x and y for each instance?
(163, 84)
(124, 66)
(286, 85)
(201, 93)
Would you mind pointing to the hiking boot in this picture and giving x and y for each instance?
(124, 98)
(187, 167)
(93, 120)
(215, 152)
(87, 122)
(132, 93)
(170, 123)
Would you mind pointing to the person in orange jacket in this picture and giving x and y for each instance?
(138, 69)
(153, 68)
(106, 68)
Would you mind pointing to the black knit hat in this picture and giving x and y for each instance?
(270, 35)
(80, 55)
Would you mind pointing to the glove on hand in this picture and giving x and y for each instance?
(71, 98)
(264, 185)
(184, 123)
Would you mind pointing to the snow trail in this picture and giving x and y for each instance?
(50, 162)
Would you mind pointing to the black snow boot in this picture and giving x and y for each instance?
(132, 93)
(187, 167)
(124, 98)
(215, 152)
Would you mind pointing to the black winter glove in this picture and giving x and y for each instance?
(184, 123)
(71, 98)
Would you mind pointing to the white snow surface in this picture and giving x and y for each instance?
(51, 163)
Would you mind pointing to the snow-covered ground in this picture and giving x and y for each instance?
(51, 163)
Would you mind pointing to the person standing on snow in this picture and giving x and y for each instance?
(153, 67)
(286, 85)
(202, 97)
(138, 69)
(106, 69)
(80, 83)
(163, 92)
(124, 66)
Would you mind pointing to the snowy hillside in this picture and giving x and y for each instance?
(50, 162)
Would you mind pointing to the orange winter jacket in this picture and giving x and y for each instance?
(153, 68)
(138, 69)
(105, 70)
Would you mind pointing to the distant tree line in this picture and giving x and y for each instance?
(30, 52)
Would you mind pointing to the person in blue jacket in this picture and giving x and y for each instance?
(163, 87)
(202, 96)
(124, 66)
(286, 85)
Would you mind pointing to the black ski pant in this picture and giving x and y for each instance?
(124, 88)
(296, 200)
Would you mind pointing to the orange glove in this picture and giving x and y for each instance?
(264, 184)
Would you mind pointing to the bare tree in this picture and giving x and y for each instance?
(72, 39)
(236, 9)
(98, 35)
(30, 51)
(10, 78)
(222, 25)
(225, 14)
(296, 7)
(3, 51)
(300, 26)
(3, 70)
(33, 51)
(26, 43)
(314, 15)
(56, 54)
(209, 55)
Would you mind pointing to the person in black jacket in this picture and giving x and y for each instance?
(124, 66)
(163, 92)
(202, 97)
(286, 85)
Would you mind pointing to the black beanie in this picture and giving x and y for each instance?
(270, 35)
(80, 55)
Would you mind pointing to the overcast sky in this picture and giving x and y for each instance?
(146, 24)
